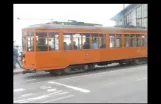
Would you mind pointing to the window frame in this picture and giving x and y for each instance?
(49, 37)
(42, 45)
(30, 36)
(86, 38)
(115, 39)
(71, 40)
(143, 10)
(129, 18)
(93, 37)
(24, 41)
(138, 36)
(78, 43)
(132, 36)
(120, 40)
(145, 42)
(128, 37)
(113, 36)
(99, 40)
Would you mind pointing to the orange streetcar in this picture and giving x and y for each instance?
(58, 48)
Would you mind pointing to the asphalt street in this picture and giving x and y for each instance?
(115, 84)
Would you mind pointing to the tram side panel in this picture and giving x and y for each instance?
(29, 61)
(49, 60)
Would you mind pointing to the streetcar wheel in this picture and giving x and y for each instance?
(52, 73)
(59, 72)
(121, 63)
(86, 67)
(131, 62)
(137, 62)
(67, 70)
(91, 66)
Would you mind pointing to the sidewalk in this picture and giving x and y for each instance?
(18, 71)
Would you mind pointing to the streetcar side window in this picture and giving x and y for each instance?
(67, 41)
(41, 41)
(86, 40)
(30, 41)
(144, 40)
(53, 41)
(138, 41)
(132, 40)
(94, 41)
(102, 41)
(117, 41)
(127, 41)
(77, 41)
(112, 40)
(24, 41)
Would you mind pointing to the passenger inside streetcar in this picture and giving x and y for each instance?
(94, 44)
(65, 46)
(75, 47)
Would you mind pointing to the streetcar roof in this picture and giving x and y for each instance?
(71, 27)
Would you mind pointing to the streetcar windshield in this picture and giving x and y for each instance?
(28, 41)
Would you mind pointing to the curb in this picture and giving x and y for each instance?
(18, 72)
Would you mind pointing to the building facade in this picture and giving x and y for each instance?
(133, 15)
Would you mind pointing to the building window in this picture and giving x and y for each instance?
(138, 22)
(129, 19)
(144, 10)
(144, 15)
(144, 22)
(141, 16)
(120, 22)
(138, 16)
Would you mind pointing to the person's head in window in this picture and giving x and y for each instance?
(75, 46)
(95, 40)
(95, 45)
(65, 43)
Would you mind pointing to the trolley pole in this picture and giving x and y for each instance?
(34, 19)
